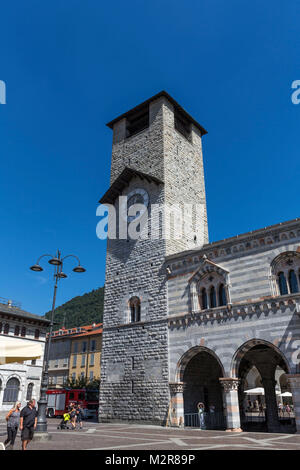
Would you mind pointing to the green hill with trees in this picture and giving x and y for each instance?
(82, 310)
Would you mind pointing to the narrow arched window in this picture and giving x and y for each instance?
(36, 334)
(212, 297)
(222, 295)
(132, 313)
(282, 284)
(23, 331)
(135, 309)
(17, 330)
(29, 391)
(203, 299)
(293, 284)
(138, 312)
(11, 391)
(6, 329)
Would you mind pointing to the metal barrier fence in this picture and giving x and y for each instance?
(258, 422)
(208, 421)
(217, 420)
(256, 417)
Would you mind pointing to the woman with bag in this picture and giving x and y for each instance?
(13, 419)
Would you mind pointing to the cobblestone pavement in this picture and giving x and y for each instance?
(95, 436)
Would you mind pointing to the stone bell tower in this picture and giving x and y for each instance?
(156, 161)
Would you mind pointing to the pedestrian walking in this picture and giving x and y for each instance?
(261, 410)
(200, 407)
(79, 416)
(212, 416)
(73, 417)
(28, 421)
(13, 419)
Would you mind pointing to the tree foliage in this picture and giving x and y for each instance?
(81, 310)
(83, 382)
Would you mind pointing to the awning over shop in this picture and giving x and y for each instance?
(258, 391)
(18, 350)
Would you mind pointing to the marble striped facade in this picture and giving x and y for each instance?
(256, 314)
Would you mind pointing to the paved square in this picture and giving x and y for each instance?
(95, 436)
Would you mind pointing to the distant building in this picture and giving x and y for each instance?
(59, 357)
(20, 381)
(86, 353)
(75, 353)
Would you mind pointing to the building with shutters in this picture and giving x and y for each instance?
(75, 354)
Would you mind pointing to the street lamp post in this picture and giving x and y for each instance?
(56, 261)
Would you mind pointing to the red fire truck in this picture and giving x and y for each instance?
(60, 399)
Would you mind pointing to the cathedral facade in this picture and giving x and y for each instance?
(187, 321)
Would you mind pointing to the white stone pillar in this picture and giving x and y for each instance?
(176, 411)
(294, 382)
(194, 297)
(230, 387)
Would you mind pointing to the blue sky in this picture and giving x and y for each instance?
(72, 66)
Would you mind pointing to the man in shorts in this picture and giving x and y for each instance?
(28, 421)
(79, 416)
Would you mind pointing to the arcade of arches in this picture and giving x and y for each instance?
(201, 379)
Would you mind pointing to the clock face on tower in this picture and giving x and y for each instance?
(137, 196)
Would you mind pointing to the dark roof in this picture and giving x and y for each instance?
(158, 95)
(122, 181)
(19, 313)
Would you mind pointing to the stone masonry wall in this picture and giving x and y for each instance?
(184, 180)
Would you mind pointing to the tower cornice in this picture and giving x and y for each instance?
(153, 98)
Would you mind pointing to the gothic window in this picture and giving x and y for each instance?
(29, 391)
(6, 328)
(17, 330)
(222, 295)
(203, 299)
(282, 284)
(293, 284)
(285, 270)
(212, 291)
(212, 297)
(135, 309)
(11, 391)
(23, 331)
